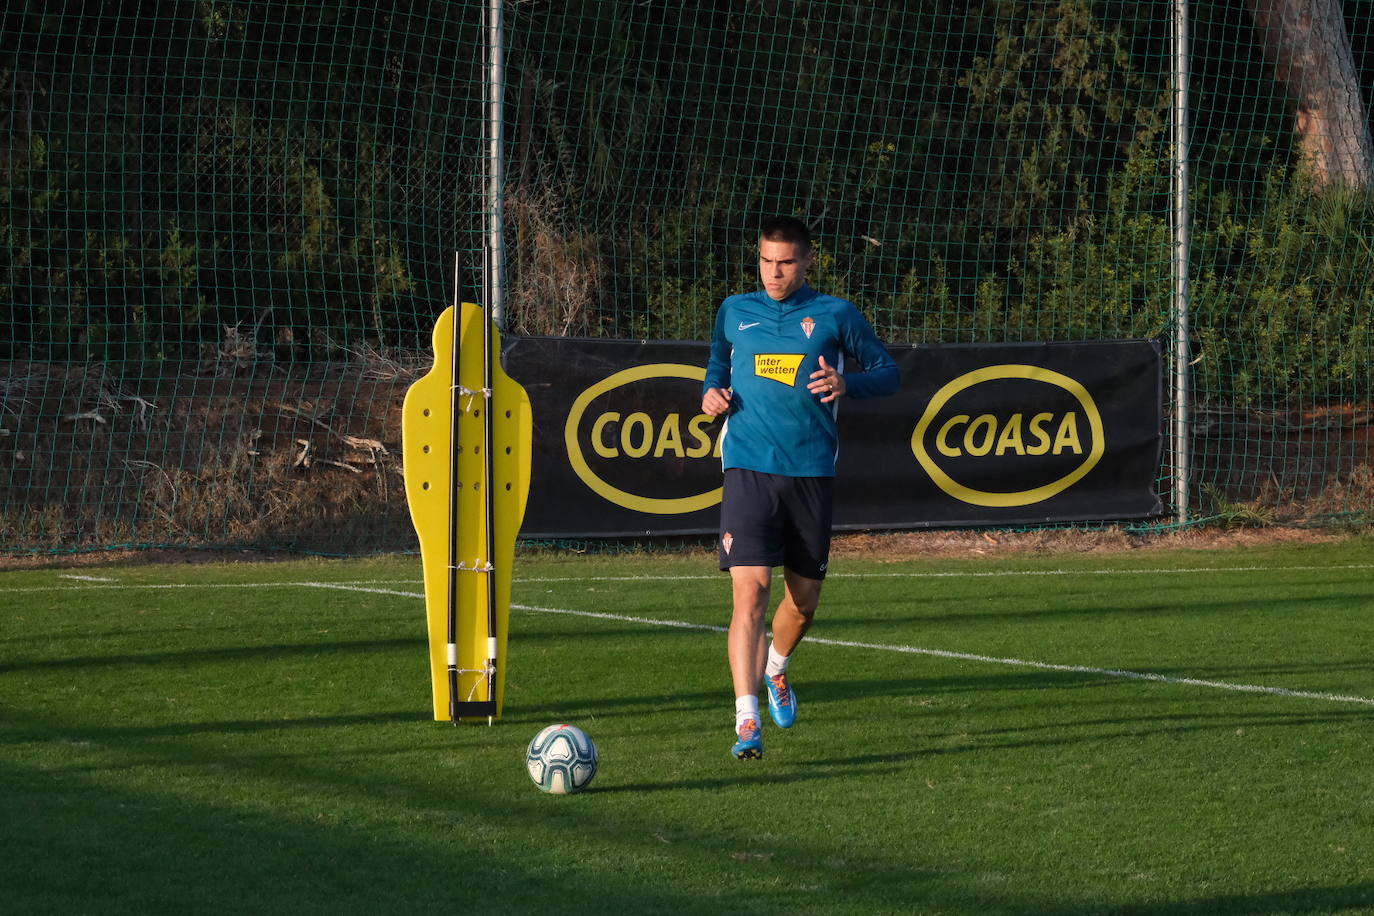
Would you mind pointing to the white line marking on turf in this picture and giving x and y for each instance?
(653, 621)
(878, 647)
(914, 650)
(1108, 672)
(685, 578)
(988, 659)
(340, 586)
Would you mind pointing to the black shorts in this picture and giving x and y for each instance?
(773, 520)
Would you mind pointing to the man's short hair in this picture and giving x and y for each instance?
(787, 229)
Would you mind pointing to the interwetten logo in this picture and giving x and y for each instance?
(1044, 428)
(621, 438)
(780, 367)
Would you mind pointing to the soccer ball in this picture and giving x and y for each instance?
(561, 759)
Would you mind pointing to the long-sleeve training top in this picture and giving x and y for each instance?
(766, 350)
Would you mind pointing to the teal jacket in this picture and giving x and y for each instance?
(766, 350)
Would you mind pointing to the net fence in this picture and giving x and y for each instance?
(226, 228)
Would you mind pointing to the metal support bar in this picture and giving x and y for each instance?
(489, 479)
(453, 485)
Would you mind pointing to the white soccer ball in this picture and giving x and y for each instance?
(561, 759)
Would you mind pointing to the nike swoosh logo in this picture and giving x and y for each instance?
(745, 327)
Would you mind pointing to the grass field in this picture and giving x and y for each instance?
(1153, 732)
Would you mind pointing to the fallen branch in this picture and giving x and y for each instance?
(307, 415)
(144, 408)
(133, 463)
(340, 464)
(372, 445)
(88, 415)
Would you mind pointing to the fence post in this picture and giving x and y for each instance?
(495, 262)
(1181, 251)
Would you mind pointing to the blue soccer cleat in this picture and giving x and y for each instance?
(750, 743)
(782, 700)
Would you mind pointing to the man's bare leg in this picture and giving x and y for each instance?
(790, 623)
(748, 640)
(796, 611)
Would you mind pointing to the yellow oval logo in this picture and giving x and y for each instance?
(1031, 433)
(631, 435)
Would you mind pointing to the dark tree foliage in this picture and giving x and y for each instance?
(301, 173)
(175, 168)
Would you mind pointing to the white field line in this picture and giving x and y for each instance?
(625, 618)
(345, 587)
(914, 650)
(99, 583)
(849, 644)
(1102, 672)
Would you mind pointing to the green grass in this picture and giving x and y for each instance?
(244, 744)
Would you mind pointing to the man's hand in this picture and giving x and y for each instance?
(827, 382)
(716, 401)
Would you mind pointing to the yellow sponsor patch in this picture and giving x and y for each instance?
(780, 367)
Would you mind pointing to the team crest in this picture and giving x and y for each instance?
(808, 325)
(726, 540)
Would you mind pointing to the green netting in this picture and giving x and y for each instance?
(227, 227)
(993, 172)
(1283, 259)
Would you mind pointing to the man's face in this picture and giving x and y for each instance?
(782, 267)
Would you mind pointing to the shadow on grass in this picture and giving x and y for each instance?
(895, 760)
(1066, 607)
(88, 847)
(14, 734)
(93, 847)
(1013, 678)
(411, 621)
(225, 654)
(192, 823)
(1338, 899)
(256, 834)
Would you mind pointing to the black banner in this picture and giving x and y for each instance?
(976, 435)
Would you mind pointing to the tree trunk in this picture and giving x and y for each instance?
(1307, 41)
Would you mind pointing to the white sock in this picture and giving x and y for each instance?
(746, 708)
(777, 664)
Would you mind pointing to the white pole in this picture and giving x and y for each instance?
(1181, 249)
(496, 164)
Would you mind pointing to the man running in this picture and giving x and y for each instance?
(778, 369)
